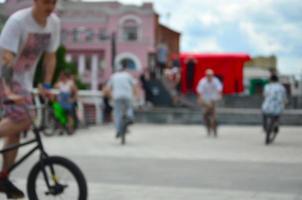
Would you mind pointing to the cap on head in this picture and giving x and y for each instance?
(209, 72)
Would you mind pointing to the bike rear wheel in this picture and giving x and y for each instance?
(267, 137)
(50, 127)
(54, 127)
(66, 181)
(124, 130)
(268, 131)
(271, 133)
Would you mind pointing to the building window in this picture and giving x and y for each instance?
(130, 63)
(103, 35)
(89, 35)
(130, 30)
(64, 36)
(88, 63)
(130, 59)
(82, 34)
(75, 35)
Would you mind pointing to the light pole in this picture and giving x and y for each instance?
(113, 50)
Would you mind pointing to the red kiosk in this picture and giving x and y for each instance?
(227, 67)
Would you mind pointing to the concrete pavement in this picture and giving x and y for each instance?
(180, 162)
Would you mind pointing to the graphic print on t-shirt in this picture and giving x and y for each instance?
(35, 44)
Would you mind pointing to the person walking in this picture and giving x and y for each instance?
(162, 53)
(26, 35)
(190, 72)
(209, 90)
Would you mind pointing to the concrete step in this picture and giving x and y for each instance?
(225, 116)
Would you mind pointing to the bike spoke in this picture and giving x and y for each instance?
(65, 180)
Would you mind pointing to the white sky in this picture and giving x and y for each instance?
(256, 27)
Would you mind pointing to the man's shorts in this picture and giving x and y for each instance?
(209, 108)
(18, 112)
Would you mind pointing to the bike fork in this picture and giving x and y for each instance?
(45, 174)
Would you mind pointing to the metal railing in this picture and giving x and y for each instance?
(85, 97)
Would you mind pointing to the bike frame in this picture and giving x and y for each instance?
(38, 147)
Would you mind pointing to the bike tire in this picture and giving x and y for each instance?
(267, 138)
(50, 125)
(123, 141)
(35, 182)
(273, 133)
(124, 129)
(268, 131)
(123, 136)
(54, 127)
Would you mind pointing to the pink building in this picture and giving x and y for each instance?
(99, 35)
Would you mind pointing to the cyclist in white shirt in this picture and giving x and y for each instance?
(123, 88)
(209, 90)
(27, 34)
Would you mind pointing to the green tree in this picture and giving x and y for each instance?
(61, 66)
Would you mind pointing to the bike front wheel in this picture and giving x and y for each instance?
(56, 178)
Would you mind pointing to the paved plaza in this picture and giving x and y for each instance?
(177, 162)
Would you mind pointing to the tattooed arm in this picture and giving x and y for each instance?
(7, 70)
(7, 76)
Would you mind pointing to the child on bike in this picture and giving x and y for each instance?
(67, 98)
(26, 35)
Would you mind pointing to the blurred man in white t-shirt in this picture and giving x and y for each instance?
(27, 34)
(123, 88)
(209, 90)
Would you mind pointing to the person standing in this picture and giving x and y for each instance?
(162, 57)
(123, 89)
(170, 80)
(26, 35)
(209, 90)
(191, 65)
(274, 101)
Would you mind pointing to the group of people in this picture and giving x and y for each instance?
(34, 31)
(210, 91)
